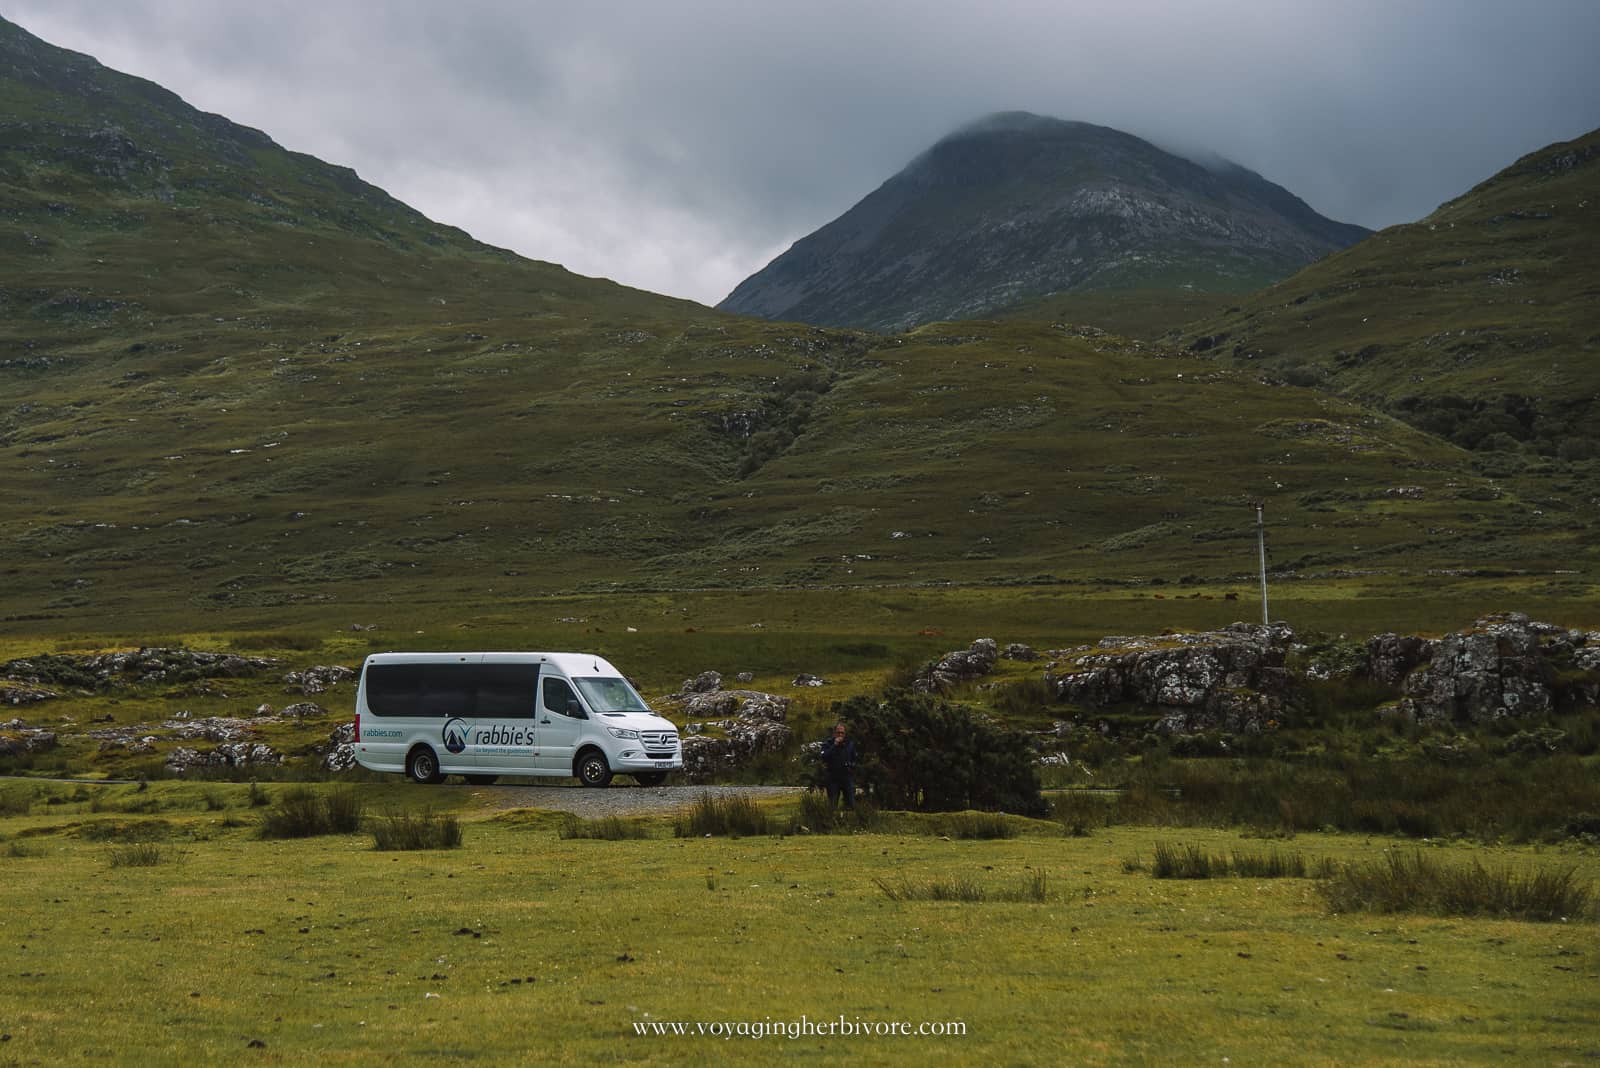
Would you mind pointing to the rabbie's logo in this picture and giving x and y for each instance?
(455, 735)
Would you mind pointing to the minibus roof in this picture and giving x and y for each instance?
(573, 665)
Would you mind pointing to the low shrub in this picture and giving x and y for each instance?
(711, 816)
(16, 801)
(126, 830)
(416, 830)
(607, 828)
(302, 813)
(1414, 882)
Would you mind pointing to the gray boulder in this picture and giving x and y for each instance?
(705, 682)
(954, 668)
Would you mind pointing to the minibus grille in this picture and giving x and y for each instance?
(659, 741)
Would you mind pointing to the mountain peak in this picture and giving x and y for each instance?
(1015, 205)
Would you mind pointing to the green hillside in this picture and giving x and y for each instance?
(1480, 323)
(243, 389)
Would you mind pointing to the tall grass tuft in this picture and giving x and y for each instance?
(302, 813)
(1034, 888)
(1192, 862)
(731, 817)
(1186, 862)
(983, 825)
(607, 828)
(408, 830)
(138, 855)
(817, 816)
(1413, 882)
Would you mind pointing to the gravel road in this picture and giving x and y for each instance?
(619, 799)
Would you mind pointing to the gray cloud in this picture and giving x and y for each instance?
(678, 147)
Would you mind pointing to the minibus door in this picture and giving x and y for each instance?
(560, 725)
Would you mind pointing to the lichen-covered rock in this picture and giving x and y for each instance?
(21, 694)
(341, 754)
(228, 755)
(1391, 657)
(707, 756)
(1233, 679)
(1018, 651)
(303, 710)
(1498, 668)
(318, 679)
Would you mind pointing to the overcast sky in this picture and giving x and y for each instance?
(679, 145)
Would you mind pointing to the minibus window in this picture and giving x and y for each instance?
(611, 695)
(448, 690)
(394, 689)
(558, 697)
(507, 691)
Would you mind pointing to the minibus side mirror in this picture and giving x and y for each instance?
(574, 709)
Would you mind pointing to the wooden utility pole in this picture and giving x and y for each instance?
(1261, 543)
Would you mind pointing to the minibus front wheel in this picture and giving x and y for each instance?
(592, 769)
(422, 765)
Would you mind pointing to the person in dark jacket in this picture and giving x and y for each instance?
(839, 765)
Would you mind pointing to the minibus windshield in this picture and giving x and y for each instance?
(611, 695)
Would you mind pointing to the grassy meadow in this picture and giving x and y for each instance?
(522, 944)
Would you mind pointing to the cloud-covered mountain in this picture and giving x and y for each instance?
(1018, 205)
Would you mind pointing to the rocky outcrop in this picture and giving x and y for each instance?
(230, 755)
(317, 679)
(1239, 678)
(17, 738)
(954, 668)
(24, 695)
(1234, 679)
(725, 729)
(106, 671)
(341, 748)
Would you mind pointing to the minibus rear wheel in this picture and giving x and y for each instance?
(422, 765)
(592, 769)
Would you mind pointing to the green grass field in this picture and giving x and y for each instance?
(521, 946)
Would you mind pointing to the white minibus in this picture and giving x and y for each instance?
(483, 715)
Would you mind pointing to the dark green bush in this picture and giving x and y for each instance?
(923, 753)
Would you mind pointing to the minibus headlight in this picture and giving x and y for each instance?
(623, 732)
